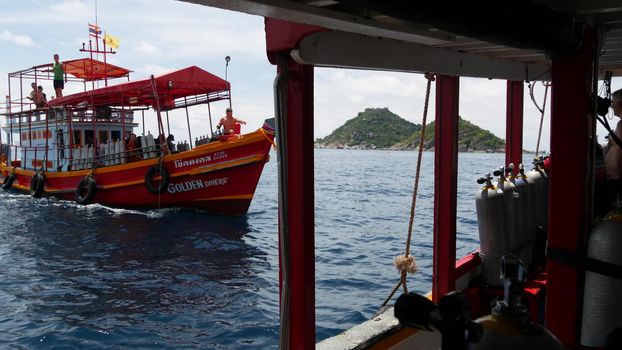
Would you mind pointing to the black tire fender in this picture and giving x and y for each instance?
(36, 185)
(150, 176)
(85, 191)
(7, 183)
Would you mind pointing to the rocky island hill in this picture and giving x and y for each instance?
(379, 128)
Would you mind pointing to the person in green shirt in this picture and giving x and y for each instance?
(59, 77)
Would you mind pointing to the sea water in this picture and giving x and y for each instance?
(92, 277)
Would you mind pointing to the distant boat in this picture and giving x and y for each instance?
(78, 148)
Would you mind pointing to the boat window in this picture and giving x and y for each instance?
(88, 137)
(115, 135)
(77, 138)
(103, 137)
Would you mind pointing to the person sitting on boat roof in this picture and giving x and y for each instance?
(59, 77)
(613, 158)
(36, 96)
(228, 123)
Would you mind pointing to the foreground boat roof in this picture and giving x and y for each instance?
(496, 40)
(181, 83)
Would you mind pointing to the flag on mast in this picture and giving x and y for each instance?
(111, 41)
(94, 30)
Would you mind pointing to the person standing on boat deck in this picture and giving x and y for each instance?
(59, 77)
(613, 158)
(228, 122)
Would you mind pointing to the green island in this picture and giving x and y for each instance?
(379, 128)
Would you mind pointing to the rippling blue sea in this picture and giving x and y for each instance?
(74, 277)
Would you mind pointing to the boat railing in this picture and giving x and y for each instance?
(74, 158)
(26, 157)
(115, 116)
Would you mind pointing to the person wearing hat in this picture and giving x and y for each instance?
(228, 122)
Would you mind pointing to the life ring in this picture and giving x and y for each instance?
(85, 191)
(7, 183)
(162, 183)
(36, 185)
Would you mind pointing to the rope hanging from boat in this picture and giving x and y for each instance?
(541, 109)
(406, 263)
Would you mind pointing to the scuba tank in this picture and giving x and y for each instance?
(602, 304)
(143, 147)
(540, 180)
(526, 213)
(102, 154)
(116, 158)
(89, 157)
(509, 326)
(150, 145)
(109, 153)
(511, 207)
(78, 158)
(122, 159)
(494, 242)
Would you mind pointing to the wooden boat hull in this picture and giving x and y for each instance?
(219, 177)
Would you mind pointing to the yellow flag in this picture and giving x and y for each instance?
(111, 41)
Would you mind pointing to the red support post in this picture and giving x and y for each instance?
(300, 204)
(296, 216)
(445, 185)
(514, 123)
(569, 179)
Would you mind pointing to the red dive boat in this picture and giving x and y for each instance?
(78, 147)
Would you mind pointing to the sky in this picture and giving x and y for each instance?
(157, 36)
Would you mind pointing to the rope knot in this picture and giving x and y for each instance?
(405, 264)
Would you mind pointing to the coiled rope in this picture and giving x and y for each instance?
(406, 263)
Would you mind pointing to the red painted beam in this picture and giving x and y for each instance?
(569, 181)
(445, 185)
(281, 38)
(514, 123)
(300, 203)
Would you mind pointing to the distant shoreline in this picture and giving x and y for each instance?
(362, 148)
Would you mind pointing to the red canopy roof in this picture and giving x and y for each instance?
(181, 83)
(90, 69)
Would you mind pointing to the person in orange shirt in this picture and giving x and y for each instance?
(228, 122)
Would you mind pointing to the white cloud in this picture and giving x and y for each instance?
(147, 48)
(22, 40)
(71, 9)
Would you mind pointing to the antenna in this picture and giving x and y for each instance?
(227, 59)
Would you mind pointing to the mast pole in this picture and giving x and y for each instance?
(188, 121)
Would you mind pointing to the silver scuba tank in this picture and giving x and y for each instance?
(511, 206)
(538, 177)
(494, 243)
(526, 214)
(602, 304)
